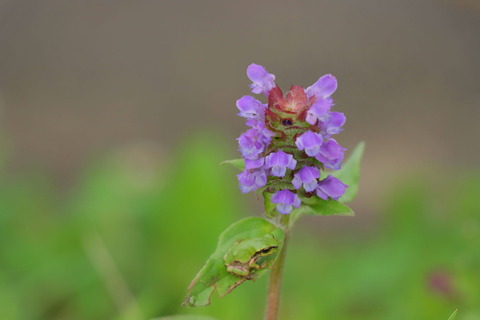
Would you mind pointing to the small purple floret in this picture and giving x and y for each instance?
(254, 164)
(251, 109)
(331, 154)
(323, 88)
(262, 81)
(278, 162)
(285, 200)
(306, 176)
(333, 124)
(251, 180)
(318, 111)
(310, 142)
(253, 142)
(331, 187)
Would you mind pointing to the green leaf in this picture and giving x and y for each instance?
(237, 163)
(453, 315)
(316, 206)
(350, 173)
(246, 249)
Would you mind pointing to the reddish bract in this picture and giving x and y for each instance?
(294, 102)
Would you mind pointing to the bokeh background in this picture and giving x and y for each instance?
(114, 116)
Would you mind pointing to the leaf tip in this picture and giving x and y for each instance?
(237, 163)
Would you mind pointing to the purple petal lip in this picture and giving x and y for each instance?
(323, 88)
(253, 142)
(254, 164)
(333, 124)
(318, 111)
(310, 142)
(286, 200)
(331, 154)
(306, 176)
(251, 180)
(250, 108)
(331, 187)
(262, 81)
(279, 162)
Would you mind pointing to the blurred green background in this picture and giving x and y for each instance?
(130, 236)
(111, 193)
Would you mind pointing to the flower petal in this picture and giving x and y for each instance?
(262, 81)
(331, 187)
(323, 88)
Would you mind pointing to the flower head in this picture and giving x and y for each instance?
(292, 131)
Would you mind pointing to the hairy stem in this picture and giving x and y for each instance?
(273, 297)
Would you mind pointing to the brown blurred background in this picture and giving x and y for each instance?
(81, 77)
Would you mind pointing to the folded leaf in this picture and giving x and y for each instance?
(245, 250)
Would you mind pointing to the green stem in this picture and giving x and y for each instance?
(273, 297)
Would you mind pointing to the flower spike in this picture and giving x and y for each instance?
(290, 140)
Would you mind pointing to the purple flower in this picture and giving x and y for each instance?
(308, 177)
(319, 111)
(253, 142)
(333, 124)
(310, 142)
(254, 164)
(262, 81)
(331, 154)
(300, 117)
(251, 109)
(265, 132)
(251, 180)
(331, 187)
(323, 88)
(286, 201)
(279, 162)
